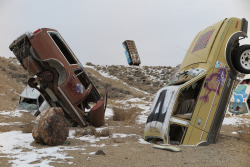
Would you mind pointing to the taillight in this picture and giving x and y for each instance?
(37, 31)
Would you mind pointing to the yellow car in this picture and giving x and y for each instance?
(191, 109)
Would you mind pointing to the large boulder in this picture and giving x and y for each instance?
(51, 127)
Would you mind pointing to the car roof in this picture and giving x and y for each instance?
(30, 93)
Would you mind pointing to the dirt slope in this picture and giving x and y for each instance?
(12, 78)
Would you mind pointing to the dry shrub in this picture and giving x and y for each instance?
(130, 78)
(4, 129)
(89, 130)
(12, 67)
(27, 128)
(245, 116)
(14, 70)
(18, 76)
(2, 68)
(244, 132)
(103, 133)
(78, 133)
(14, 98)
(138, 77)
(115, 92)
(126, 115)
(90, 64)
(125, 139)
(118, 140)
(28, 123)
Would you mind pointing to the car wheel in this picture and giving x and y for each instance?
(32, 83)
(47, 76)
(241, 59)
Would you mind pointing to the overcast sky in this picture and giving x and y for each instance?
(95, 29)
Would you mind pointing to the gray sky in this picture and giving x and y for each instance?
(95, 29)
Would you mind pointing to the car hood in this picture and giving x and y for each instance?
(161, 111)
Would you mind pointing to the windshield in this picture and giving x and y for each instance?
(28, 104)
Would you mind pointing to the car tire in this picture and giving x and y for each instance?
(241, 59)
(32, 83)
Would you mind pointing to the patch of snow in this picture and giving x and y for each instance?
(11, 123)
(94, 145)
(15, 62)
(88, 138)
(15, 113)
(18, 144)
(234, 133)
(105, 74)
(135, 100)
(104, 138)
(100, 129)
(141, 119)
(142, 141)
(109, 112)
(122, 135)
(71, 134)
(127, 126)
(91, 153)
(234, 120)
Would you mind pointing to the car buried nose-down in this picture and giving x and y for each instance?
(61, 78)
(190, 110)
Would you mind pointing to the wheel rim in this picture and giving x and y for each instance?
(245, 59)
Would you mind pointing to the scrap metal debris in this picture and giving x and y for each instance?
(167, 147)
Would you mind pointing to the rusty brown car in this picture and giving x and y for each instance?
(61, 78)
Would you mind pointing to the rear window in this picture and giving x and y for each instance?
(63, 48)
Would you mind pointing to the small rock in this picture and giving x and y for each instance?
(100, 152)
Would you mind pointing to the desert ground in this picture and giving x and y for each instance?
(120, 142)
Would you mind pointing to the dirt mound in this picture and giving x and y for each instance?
(146, 78)
(121, 139)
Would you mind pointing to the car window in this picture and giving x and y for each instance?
(40, 100)
(63, 48)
